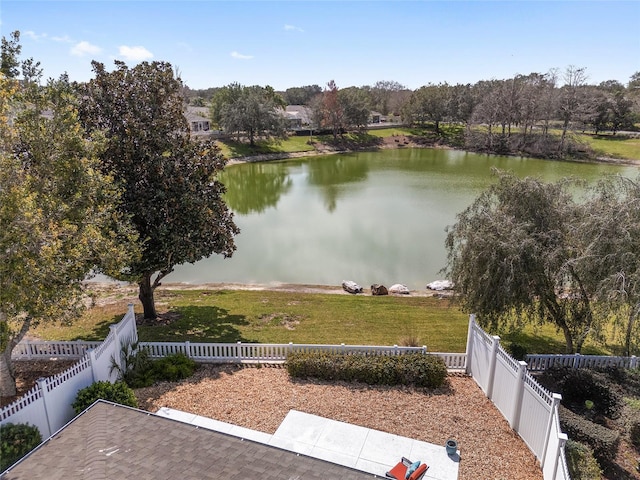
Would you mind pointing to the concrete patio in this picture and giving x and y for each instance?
(364, 449)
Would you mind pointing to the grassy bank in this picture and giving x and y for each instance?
(281, 317)
(609, 146)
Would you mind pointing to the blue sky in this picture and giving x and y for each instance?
(296, 43)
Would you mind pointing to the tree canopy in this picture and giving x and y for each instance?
(169, 181)
(58, 222)
(523, 250)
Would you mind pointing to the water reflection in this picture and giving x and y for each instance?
(371, 217)
(254, 187)
(332, 173)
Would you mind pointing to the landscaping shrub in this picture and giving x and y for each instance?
(634, 434)
(117, 392)
(516, 350)
(137, 368)
(173, 367)
(581, 462)
(16, 440)
(409, 369)
(580, 386)
(602, 440)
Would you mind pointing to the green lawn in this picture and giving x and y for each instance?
(615, 146)
(283, 317)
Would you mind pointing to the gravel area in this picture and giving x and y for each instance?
(259, 398)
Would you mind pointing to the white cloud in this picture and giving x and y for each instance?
(33, 35)
(62, 39)
(240, 56)
(136, 54)
(292, 28)
(85, 48)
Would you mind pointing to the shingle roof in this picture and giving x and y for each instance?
(114, 442)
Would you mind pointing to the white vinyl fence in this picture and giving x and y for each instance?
(531, 410)
(538, 363)
(48, 404)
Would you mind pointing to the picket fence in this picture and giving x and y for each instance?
(531, 410)
(538, 363)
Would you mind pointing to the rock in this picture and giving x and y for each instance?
(379, 289)
(399, 288)
(440, 285)
(351, 287)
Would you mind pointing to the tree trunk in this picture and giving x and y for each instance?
(7, 375)
(145, 294)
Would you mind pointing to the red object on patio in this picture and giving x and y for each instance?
(399, 472)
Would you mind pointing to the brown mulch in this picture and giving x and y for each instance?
(28, 371)
(260, 398)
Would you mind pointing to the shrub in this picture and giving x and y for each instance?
(135, 368)
(117, 392)
(516, 350)
(409, 369)
(634, 434)
(578, 385)
(173, 367)
(16, 440)
(602, 440)
(581, 462)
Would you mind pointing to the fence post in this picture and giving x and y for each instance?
(470, 337)
(554, 411)
(562, 439)
(42, 385)
(515, 419)
(238, 344)
(130, 312)
(633, 363)
(92, 361)
(492, 365)
(117, 347)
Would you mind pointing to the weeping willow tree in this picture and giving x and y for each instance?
(521, 252)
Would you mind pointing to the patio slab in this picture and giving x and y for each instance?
(364, 449)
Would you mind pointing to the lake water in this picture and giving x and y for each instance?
(374, 217)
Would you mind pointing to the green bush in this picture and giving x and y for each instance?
(117, 392)
(173, 367)
(577, 385)
(16, 440)
(602, 440)
(634, 434)
(135, 367)
(581, 462)
(409, 369)
(516, 350)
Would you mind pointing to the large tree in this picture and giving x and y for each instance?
(255, 112)
(58, 222)
(520, 252)
(170, 184)
(355, 106)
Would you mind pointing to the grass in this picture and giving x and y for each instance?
(615, 146)
(283, 317)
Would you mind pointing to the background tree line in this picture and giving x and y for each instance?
(532, 114)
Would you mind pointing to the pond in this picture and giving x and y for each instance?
(373, 217)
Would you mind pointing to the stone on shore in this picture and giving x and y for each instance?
(351, 287)
(398, 288)
(379, 289)
(440, 285)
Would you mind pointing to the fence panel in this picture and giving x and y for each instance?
(534, 415)
(44, 350)
(28, 409)
(505, 384)
(61, 391)
(538, 363)
(480, 361)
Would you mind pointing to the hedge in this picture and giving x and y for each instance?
(16, 440)
(117, 392)
(581, 462)
(415, 369)
(602, 440)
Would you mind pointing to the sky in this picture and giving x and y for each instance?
(294, 43)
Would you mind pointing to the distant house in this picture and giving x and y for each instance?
(298, 117)
(198, 122)
(376, 117)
